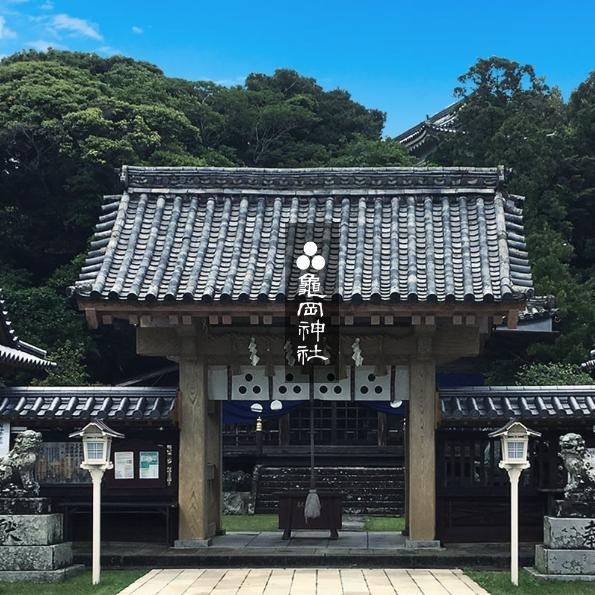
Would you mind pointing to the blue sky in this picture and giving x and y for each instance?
(402, 57)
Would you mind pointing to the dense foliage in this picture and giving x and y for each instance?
(69, 120)
(511, 117)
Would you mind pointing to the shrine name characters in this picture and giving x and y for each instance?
(311, 328)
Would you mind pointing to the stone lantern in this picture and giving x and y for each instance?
(514, 440)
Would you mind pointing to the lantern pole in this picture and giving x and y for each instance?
(514, 473)
(96, 477)
(97, 441)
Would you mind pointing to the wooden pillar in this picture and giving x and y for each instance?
(421, 442)
(284, 430)
(406, 465)
(382, 428)
(199, 459)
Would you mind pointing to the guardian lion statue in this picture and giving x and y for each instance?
(16, 468)
(579, 462)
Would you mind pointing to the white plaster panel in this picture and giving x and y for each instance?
(369, 386)
(328, 388)
(217, 383)
(251, 384)
(290, 384)
(401, 387)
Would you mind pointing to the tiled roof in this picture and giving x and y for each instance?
(398, 234)
(15, 353)
(589, 365)
(416, 138)
(484, 403)
(85, 403)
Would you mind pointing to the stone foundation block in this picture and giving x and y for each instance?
(15, 505)
(19, 529)
(35, 557)
(569, 562)
(569, 533)
(40, 576)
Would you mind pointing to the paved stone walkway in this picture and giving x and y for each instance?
(304, 581)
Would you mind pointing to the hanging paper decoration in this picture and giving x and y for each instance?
(254, 359)
(357, 353)
(289, 357)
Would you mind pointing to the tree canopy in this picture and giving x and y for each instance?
(69, 120)
(512, 117)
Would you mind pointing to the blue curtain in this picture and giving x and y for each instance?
(238, 412)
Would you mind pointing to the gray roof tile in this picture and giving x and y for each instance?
(204, 234)
(85, 403)
(14, 352)
(484, 403)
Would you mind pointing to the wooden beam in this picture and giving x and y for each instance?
(91, 317)
(512, 319)
(278, 309)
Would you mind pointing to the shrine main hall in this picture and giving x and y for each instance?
(421, 263)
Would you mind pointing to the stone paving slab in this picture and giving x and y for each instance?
(304, 581)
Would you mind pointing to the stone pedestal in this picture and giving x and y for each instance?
(31, 542)
(568, 548)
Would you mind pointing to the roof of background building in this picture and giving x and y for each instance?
(398, 234)
(86, 403)
(421, 139)
(484, 403)
(15, 353)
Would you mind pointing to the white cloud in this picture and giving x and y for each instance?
(5, 32)
(41, 45)
(63, 22)
(231, 82)
(137, 30)
(47, 5)
(108, 50)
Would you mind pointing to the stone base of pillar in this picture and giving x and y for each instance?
(418, 544)
(188, 544)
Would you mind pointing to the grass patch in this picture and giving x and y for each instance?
(250, 522)
(112, 582)
(498, 583)
(269, 522)
(384, 523)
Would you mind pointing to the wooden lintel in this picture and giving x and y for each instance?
(512, 319)
(91, 317)
(397, 309)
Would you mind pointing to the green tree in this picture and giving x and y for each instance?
(511, 117)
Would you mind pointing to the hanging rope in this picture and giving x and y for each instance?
(312, 506)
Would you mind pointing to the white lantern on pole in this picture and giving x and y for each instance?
(97, 446)
(514, 440)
